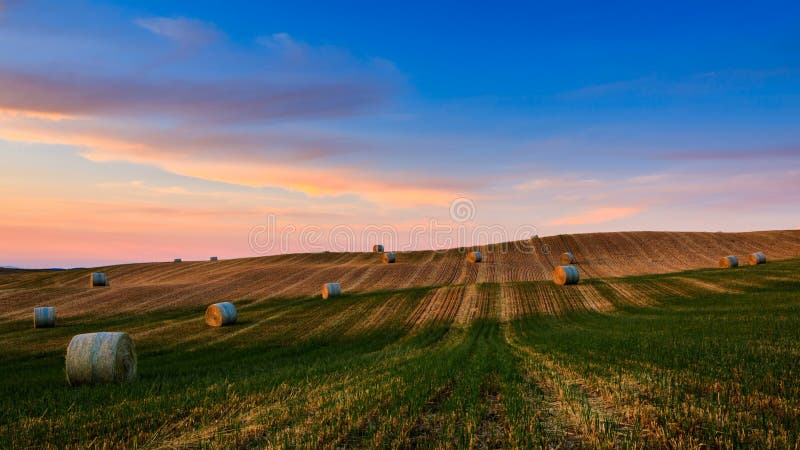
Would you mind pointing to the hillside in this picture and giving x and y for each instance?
(699, 358)
(157, 286)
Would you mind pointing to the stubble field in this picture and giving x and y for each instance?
(651, 349)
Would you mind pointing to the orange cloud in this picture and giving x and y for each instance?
(598, 215)
(395, 189)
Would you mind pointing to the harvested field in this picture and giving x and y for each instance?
(523, 364)
(146, 287)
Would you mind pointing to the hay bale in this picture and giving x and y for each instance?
(377, 248)
(387, 258)
(563, 275)
(331, 290)
(567, 258)
(98, 280)
(221, 314)
(729, 262)
(757, 258)
(474, 257)
(213, 258)
(44, 317)
(177, 260)
(103, 357)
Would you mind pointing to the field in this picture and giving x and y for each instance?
(653, 349)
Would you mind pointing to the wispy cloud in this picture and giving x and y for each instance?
(220, 101)
(182, 30)
(599, 215)
(553, 183)
(715, 155)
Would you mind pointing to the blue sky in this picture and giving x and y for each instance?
(573, 117)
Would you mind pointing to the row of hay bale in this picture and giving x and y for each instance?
(110, 357)
(212, 259)
(567, 273)
(731, 261)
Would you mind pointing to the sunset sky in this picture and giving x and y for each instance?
(137, 131)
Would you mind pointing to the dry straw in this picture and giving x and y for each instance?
(729, 262)
(387, 258)
(567, 258)
(44, 317)
(757, 258)
(98, 280)
(563, 275)
(104, 357)
(221, 314)
(377, 248)
(331, 290)
(474, 257)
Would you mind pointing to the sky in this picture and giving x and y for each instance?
(146, 131)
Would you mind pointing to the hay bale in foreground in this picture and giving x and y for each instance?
(98, 280)
(563, 275)
(377, 248)
(757, 258)
(729, 262)
(44, 317)
(388, 258)
(213, 258)
(177, 260)
(104, 357)
(475, 257)
(567, 258)
(221, 314)
(331, 290)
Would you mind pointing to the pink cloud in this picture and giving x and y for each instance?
(599, 215)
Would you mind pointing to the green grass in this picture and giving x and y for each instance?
(714, 369)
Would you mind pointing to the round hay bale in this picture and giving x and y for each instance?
(377, 248)
(221, 314)
(563, 275)
(44, 317)
(213, 258)
(567, 258)
(757, 258)
(729, 262)
(98, 280)
(177, 260)
(331, 290)
(387, 258)
(475, 257)
(104, 357)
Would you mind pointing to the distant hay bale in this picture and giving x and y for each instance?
(44, 317)
(331, 290)
(377, 248)
(387, 258)
(177, 260)
(213, 258)
(563, 275)
(729, 262)
(98, 279)
(567, 258)
(221, 314)
(475, 257)
(757, 258)
(104, 357)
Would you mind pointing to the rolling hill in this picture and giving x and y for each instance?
(157, 286)
(655, 348)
